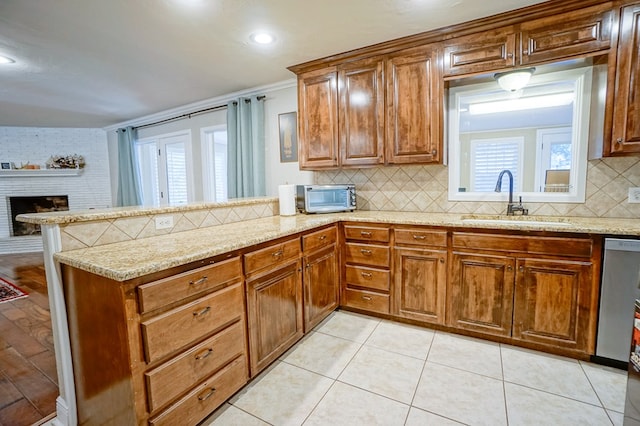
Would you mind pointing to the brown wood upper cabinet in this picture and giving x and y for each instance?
(318, 119)
(343, 111)
(626, 96)
(557, 37)
(414, 106)
(342, 115)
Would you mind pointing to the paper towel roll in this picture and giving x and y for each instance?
(287, 195)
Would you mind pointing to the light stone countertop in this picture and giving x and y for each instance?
(131, 259)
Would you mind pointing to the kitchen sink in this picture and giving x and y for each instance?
(513, 220)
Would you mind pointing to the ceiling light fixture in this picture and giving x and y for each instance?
(262, 38)
(512, 81)
(6, 60)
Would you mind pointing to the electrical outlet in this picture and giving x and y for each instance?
(164, 222)
(634, 195)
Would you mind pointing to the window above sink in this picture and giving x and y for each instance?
(540, 133)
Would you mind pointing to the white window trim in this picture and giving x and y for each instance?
(582, 81)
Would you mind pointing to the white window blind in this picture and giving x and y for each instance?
(491, 156)
(176, 173)
(215, 166)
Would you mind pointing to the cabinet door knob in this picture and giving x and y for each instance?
(509, 268)
(521, 269)
(434, 152)
(200, 281)
(323, 237)
(202, 312)
(525, 52)
(619, 140)
(441, 260)
(204, 354)
(510, 55)
(206, 396)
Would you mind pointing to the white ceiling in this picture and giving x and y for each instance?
(95, 63)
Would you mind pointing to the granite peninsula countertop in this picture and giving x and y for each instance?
(131, 259)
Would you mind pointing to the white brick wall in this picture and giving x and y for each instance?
(35, 145)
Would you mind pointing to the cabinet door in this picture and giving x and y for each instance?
(492, 50)
(318, 119)
(274, 310)
(414, 110)
(565, 35)
(553, 300)
(420, 284)
(626, 110)
(361, 112)
(480, 296)
(321, 285)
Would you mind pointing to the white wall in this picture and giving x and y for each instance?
(278, 101)
(91, 189)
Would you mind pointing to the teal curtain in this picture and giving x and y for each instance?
(128, 182)
(246, 148)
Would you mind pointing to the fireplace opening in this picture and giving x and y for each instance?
(38, 204)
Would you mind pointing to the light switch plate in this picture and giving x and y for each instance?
(634, 195)
(164, 222)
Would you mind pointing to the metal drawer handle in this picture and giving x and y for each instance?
(209, 393)
(204, 354)
(366, 274)
(419, 237)
(365, 252)
(277, 253)
(323, 237)
(366, 298)
(202, 312)
(365, 233)
(200, 281)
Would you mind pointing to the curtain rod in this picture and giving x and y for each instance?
(191, 114)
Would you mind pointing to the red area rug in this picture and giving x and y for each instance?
(9, 291)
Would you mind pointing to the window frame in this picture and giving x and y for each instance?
(582, 78)
(208, 191)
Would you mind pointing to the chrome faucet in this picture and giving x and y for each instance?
(511, 208)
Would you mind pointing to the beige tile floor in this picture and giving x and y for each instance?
(359, 370)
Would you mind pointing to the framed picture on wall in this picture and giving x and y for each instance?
(287, 125)
(6, 166)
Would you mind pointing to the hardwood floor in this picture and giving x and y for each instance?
(28, 378)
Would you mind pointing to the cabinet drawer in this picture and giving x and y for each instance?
(367, 277)
(206, 397)
(174, 377)
(366, 300)
(367, 254)
(572, 247)
(271, 256)
(422, 237)
(367, 233)
(163, 292)
(178, 327)
(322, 238)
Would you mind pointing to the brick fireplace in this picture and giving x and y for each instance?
(33, 204)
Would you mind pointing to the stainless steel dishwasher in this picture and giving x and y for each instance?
(618, 292)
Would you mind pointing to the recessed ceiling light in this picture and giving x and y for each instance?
(6, 60)
(262, 38)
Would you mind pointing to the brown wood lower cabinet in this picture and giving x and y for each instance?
(553, 303)
(542, 290)
(420, 284)
(274, 311)
(481, 293)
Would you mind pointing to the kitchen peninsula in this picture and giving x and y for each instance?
(150, 322)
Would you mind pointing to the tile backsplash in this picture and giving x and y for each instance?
(424, 189)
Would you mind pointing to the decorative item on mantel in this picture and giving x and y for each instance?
(74, 161)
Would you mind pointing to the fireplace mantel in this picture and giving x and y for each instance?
(39, 172)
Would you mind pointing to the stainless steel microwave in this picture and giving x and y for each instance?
(325, 198)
